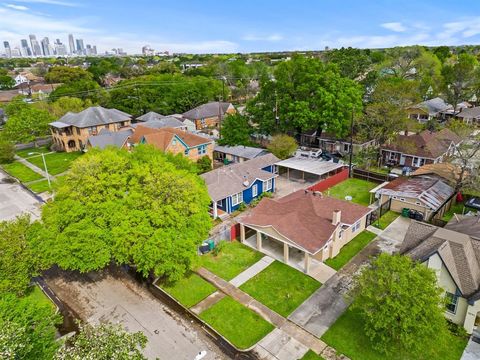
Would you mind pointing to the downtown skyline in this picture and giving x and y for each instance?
(254, 26)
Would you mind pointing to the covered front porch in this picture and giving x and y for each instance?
(285, 252)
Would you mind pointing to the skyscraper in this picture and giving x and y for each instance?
(80, 47)
(8, 51)
(25, 49)
(47, 49)
(36, 49)
(71, 43)
(60, 49)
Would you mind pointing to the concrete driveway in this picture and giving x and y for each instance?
(15, 200)
(115, 297)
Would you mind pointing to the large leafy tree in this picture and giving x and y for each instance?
(352, 63)
(103, 342)
(83, 89)
(26, 124)
(236, 131)
(282, 146)
(141, 208)
(62, 105)
(67, 74)
(306, 94)
(401, 306)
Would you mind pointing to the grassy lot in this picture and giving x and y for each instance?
(281, 287)
(240, 325)
(347, 337)
(351, 249)
(356, 188)
(39, 186)
(310, 355)
(56, 162)
(454, 209)
(24, 153)
(190, 290)
(386, 219)
(37, 295)
(21, 172)
(232, 259)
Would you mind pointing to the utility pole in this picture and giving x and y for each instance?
(351, 145)
(220, 115)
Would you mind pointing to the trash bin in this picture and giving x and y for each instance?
(405, 212)
(211, 244)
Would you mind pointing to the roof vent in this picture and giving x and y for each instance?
(246, 183)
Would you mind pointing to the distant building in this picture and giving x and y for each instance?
(60, 49)
(80, 47)
(25, 48)
(71, 43)
(8, 51)
(147, 50)
(46, 47)
(36, 49)
(208, 115)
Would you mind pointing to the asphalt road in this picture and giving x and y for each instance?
(115, 297)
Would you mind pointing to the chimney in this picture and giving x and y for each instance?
(337, 214)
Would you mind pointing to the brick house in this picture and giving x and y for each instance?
(208, 115)
(417, 150)
(71, 131)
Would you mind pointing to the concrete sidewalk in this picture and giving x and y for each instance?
(472, 351)
(253, 270)
(33, 167)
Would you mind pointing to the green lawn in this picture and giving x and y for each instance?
(386, 219)
(310, 355)
(356, 188)
(190, 290)
(39, 187)
(456, 208)
(351, 249)
(347, 337)
(281, 287)
(24, 153)
(21, 172)
(37, 295)
(232, 259)
(56, 162)
(240, 325)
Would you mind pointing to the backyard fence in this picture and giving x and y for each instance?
(330, 181)
(37, 142)
(371, 176)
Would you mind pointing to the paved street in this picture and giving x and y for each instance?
(15, 200)
(115, 297)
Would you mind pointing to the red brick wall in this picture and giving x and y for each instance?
(331, 181)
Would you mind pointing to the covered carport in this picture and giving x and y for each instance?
(307, 169)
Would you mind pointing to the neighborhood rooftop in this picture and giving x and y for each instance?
(433, 106)
(161, 138)
(92, 116)
(161, 122)
(312, 166)
(211, 109)
(109, 138)
(241, 151)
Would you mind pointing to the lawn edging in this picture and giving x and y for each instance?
(209, 329)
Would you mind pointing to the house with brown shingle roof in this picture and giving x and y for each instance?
(304, 222)
(416, 150)
(455, 258)
(175, 141)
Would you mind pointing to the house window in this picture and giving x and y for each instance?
(346, 147)
(356, 226)
(237, 199)
(174, 142)
(267, 185)
(254, 190)
(92, 130)
(202, 149)
(451, 302)
(340, 234)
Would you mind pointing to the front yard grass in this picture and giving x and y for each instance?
(310, 355)
(347, 336)
(36, 295)
(238, 324)
(24, 153)
(21, 172)
(386, 219)
(190, 290)
(350, 250)
(57, 162)
(356, 188)
(232, 259)
(281, 287)
(39, 186)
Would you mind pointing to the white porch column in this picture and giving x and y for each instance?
(215, 211)
(285, 253)
(307, 263)
(259, 241)
(242, 233)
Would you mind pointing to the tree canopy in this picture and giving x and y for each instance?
(236, 130)
(143, 208)
(67, 74)
(26, 123)
(401, 305)
(282, 146)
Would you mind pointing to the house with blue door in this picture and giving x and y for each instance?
(240, 183)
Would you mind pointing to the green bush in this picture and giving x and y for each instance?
(7, 152)
(204, 164)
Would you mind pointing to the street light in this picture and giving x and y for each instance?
(44, 165)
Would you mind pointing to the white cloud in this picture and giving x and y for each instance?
(17, 7)
(394, 26)
(49, 2)
(252, 37)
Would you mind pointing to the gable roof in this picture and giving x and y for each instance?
(431, 190)
(231, 179)
(433, 106)
(469, 225)
(241, 151)
(459, 252)
(207, 110)
(304, 218)
(151, 115)
(161, 138)
(163, 122)
(447, 171)
(110, 138)
(470, 113)
(93, 116)
(426, 144)
(140, 132)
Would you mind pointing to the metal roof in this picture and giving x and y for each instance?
(59, 124)
(241, 151)
(311, 166)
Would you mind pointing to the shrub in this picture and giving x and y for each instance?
(7, 152)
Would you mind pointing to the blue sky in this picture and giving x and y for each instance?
(243, 25)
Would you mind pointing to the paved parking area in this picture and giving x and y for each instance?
(284, 187)
(15, 200)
